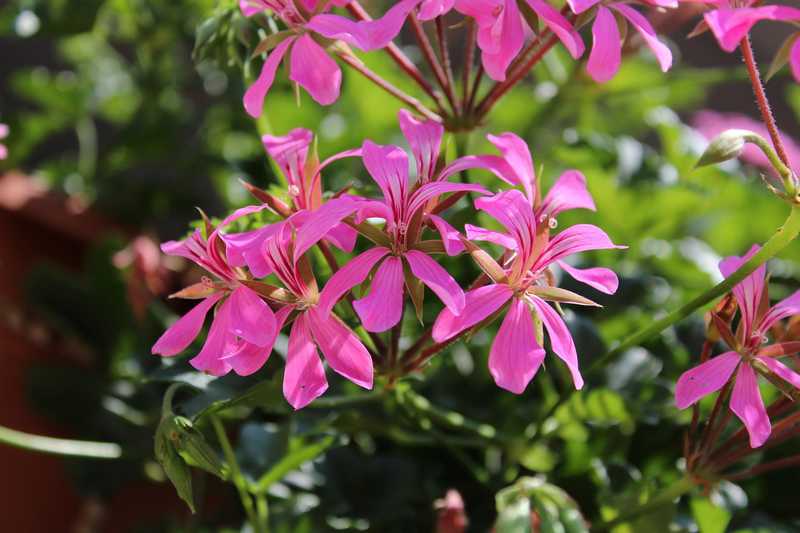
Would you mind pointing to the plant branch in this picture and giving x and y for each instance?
(430, 57)
(444, 53)
(66, 447)
(665, 497)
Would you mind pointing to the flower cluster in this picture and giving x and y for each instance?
(249, 311)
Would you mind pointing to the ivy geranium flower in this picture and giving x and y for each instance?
(606, 55)
(310, 66)
(522, 286)
(749, 345)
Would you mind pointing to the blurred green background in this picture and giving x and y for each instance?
(121, 107)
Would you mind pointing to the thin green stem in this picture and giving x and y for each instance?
(236, 476)
(65, 447)
(664, 497)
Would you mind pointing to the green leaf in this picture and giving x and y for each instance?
(293, 460)
(710, 518)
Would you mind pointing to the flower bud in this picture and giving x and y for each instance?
(727, 145)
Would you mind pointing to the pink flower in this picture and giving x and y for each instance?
(309, 64)
(502, 31)
(756, 319)
(403, 208)
(523, 284)
(606, 54)
(304, 378)
(304, 177)
(731, 21)
(3, 134)
(244, 327)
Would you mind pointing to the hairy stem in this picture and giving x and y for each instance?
(430, 57)
(65, 447)
(444, 53)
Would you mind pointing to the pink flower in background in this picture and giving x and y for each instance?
(3, 134)
(310, 66)
(304, 378)
(502, 31)
(525, 287)
(244, 327)
(402, 206)
(756, 319)
(711, 124)
(303, 174)
(606, 55)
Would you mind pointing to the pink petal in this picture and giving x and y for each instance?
(246, 249)
(343, 237)
(568, 192)
(560, 338)
(477, 233)
(606, 54)
(319, 223)
(290, 152)
(251, 318)
(602, 279)
(368, 34)
(437, 279)
(784, 372)
(255, 94)
(430, 9)
(494, 164)
(794, 59)
(314, 70)
(211, 358)
(388, 166)
(342, 349)
(425, 138)
(747, 404)
(787, 307)
(251, 7)
(704, 379)
(383, 306)
(575, 239)
(250, 358)
(478, 304)
(3, 151)
(579, 6)
(513, 211)
(642, 25)
(500, 35)
(516, 153)
(748, 291)
(4, 130)
(560, 26)
(437, 188)
(730, 25)
(347, 277)
(515, 357)
(304, 377)
(450, 236)
(181, 334)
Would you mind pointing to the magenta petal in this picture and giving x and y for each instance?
(515, 357)
(430, 9)
(251, 7)
(450, 236)
(255, 94)
(314, 70)
(579, 6)
(730, 25)
(577, 238)
(560, 338)
(383, 306)
(493, 163)
(478, 304)
(249, 358)
(319, 223)
(342, 349)
(704, 379)
(424, 138)
(559, 25)
(347, 277)
(516, 153)
(437, 279)
(367, 34)
(500, 38)
(642, 25)
(477, 233)
(211, 358)
(784, 372)
(304, 377)
(568, 192)
(438, 188)
(789, 306)
(747, 404)
(602, 279)
(181, 334)
(748, 291)
(606, 54)
(388, 166)
(251, 318)
(290, 152)
(513, 211)
(343, 237)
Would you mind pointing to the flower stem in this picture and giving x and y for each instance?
(469, 58)
(666, 496)
(761, 99)
(361, 68)
(444, 53)
(430, 57)
(65, 447)
(238, 479)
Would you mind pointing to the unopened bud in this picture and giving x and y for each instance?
(727, 145)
